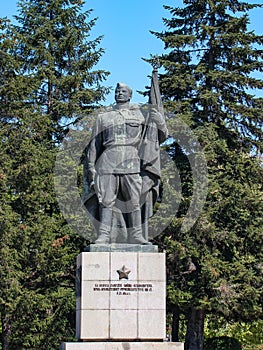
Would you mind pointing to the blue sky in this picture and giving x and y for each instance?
(125, 26)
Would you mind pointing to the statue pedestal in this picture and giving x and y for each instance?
(121, 296)
(121, 299)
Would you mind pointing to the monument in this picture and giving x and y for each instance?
(121, 279)
(122, 169)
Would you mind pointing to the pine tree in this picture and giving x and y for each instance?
(59, 57)
(209, 75)
(48, 82)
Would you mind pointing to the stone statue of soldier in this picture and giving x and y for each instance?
(122, 170)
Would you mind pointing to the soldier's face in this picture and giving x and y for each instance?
(122, 95)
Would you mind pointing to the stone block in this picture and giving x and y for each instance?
(129, 260)
(121, 247)
(91, 300)
(123, 324)
(152, 267)
(120, 301)
(123, 346)
(153, 297)
(151, 324)
(95, 266)
(96, 324)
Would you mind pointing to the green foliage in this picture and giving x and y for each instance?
(47, 83)
(222, 343)
(248, 334)
(211, 66)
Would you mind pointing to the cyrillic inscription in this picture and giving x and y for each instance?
(123, 288)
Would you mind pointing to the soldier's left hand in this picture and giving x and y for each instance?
(156, 116)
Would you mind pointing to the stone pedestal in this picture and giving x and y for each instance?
(121, 296)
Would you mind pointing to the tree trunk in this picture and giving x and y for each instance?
(5, 333)
(194, 339)
(175, 324)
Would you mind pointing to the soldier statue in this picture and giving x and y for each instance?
(122, 169)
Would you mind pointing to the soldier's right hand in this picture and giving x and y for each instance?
(92, 186)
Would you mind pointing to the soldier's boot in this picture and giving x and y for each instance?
(105, 226)
(135, 228)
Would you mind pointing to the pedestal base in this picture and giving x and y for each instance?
(121, 296)
(121, 247)
(122, 346)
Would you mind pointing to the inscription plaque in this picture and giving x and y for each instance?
(123, 288)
